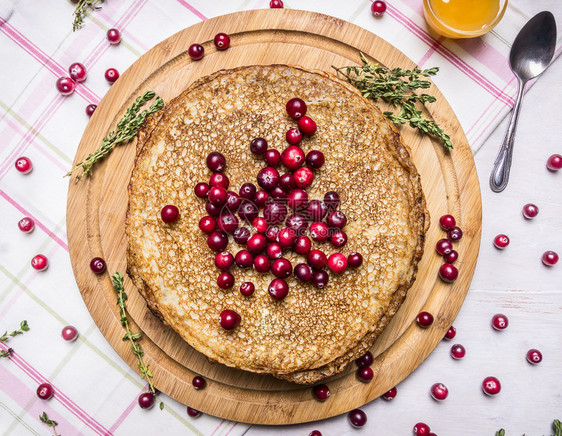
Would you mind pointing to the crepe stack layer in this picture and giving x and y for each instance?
(312, 333)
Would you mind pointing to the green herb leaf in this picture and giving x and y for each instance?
(51, 423)
(6, 353)
(23, 328)
(557, 426)
(161, 405)
(397, 87)
(81, 10)
(501, 432)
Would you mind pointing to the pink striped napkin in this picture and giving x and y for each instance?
(96, 392)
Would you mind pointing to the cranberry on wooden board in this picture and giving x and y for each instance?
(23, 165)
(534, 356)
(365, 374)
(69, 333)
(378, 8)
(366, 359)
(198, 382)
(500, 321)
(444, 246)
(554, 162)
(146, 400)
(111, 75)
(278, 289)
(40, 262)
(169, 213)
(448, 273)
(321, 392)
(229, 320)
(501, 241)
(45, 391)
(77, 72)
(222, 41)
(424, 319)
(196, 51)
(307, 125)
(357, 418)
(458, 351)
(66, 86)
(455, 234)
(90, 109)
(296, 108)
(26, 224)
(451, 333)
(390, 394)
(447, 222)
(193, 413)
(439, 391)
(114, 36)
(451, 257)
(550, 258)
(247, 289)
(97, 265)
(530, 211)
(276, 4)
(216, 162)
(491, 386)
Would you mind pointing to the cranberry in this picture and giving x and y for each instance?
(247, 289)
(69, 333)
(365, 374)
(303, 177)
(202, 190)
(306, 125)
(275, 212)
(192, 412)
(169, 213)
(97, 265)
(229, 319)
(451, 333)
(256, 244)
(293, 136)
(114, 36)
(66, 86)
(258, 146)
(320, 279)
(454, 234)
(217, 196)
(274, 251)
(354, 260)
(268, 178)
(534, 356)
(366, 359)
(447, 222)
(271, 233)
(451, 257)
(77, 72)
(261, 263)
(319, 231)
(40, 262)
(298, 223)
(219, 179)
(272, 158)
(321, 392)
(390, 394)
(444, 246)
(228, 223)
(281, 268)
(297, 199)
(276, 4)
(286, 237)
(296, 108)
(278, 194)
(424, 319)
(302, 245)
(287, 182)
(26, 224)
(331, 200)
(90, 109)
(554, 162)
(315, 159)
(45, 391)
(146, 400)
(225, 280)
(241, 235)
(199, 382)
(491, 386)
(224, 260)
(222, 41)
(216, 162)
(448, 273)
(261, 198)
(217, 241)
(378, 8)
(317, 259)
(278, 289)
(111, 75)
(293, 158)
(260, 224)
(501, 241)
(550, 258)
(458, 351)
(248, 211)
(233, 201)
(357, 417)
(530, 211)
(421, 429)
(336, 219)
(439, 391)
(315, 433)
(24, 165)
(500, 321)
(338, 238)
(337, 263)
(303, 272)
(196, 51)
(244, 259)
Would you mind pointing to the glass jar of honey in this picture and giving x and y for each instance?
(463, 18)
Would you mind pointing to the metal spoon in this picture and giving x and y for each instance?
(530, 55)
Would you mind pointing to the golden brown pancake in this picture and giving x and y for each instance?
(312, 333)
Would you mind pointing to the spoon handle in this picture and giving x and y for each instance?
(502, 165)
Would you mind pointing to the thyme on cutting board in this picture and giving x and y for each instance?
(23, 328)
(127, 128)
(397, 87)
(146, 374)
(81, 9)
(556, 425)
(51, 423)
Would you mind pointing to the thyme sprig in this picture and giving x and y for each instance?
(126, 129)
(81, 10)
(51, 423)
(146, 374)
(556, 425)
(397, 87)
(23, 328)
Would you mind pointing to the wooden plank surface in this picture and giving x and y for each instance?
(97, 206)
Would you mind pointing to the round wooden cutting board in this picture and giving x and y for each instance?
(97, 206)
